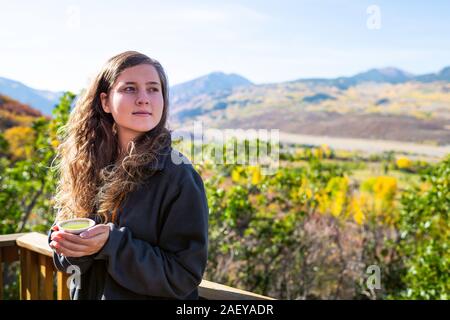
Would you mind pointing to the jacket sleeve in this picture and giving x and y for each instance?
(175, 267)
(62, 263)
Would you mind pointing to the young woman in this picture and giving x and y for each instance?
(117, 167)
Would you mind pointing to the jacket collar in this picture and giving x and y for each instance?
(162, 157)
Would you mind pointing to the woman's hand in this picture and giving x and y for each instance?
(85, 244)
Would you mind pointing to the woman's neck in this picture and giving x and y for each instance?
(125, 137)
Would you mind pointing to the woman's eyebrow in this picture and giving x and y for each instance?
(149, 82)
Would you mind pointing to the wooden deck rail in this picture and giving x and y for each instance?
(39, 277)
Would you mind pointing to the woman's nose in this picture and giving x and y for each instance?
(142, 98)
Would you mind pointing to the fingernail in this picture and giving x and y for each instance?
(84, 234)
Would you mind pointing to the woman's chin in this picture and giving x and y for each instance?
(143, 130)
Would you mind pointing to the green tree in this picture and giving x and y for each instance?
(27, 184)
(425, 236)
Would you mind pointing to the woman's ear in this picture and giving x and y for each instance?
(104, 101)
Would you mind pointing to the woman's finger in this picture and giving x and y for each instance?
(69, 236)
(69, 253)
(56, 234)
(87, 244)
(94, 231)
(62, 250)
(71, 245)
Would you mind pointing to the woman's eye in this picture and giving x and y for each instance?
(128, 89)
(153, 89)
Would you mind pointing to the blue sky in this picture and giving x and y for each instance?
(59, 45)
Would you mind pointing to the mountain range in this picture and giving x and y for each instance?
(385, 103)
(43, 100)
(383, 75)
(214, 82)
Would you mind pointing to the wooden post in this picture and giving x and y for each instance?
(1, 274)
(30, 278)
(28, 271)
(63, 291)
(34, 276)
(45, 278)
(10, 254)
(23, 274)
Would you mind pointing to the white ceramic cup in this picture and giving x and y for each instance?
(76, 226)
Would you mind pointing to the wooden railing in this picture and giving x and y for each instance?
(40, 280)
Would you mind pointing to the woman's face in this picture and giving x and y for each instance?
(135, 101)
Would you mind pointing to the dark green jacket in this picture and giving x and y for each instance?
(158, 247)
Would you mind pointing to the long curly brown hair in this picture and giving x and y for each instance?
(93, 180)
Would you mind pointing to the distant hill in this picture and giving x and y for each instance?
(211, 83)
(13, 113)
(387, 75)
(210, 92)
(383, 75)
(189, 95)
(386, 103)
(443, 75)
(42, 100)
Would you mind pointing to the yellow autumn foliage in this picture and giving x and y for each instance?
(55, 143)
(236, 174)
(304, 192)
(385, 188)
(382, 190)
(255, 174)
(334, 197)
(249, 174)
(358, 208)
(20, 140)
(403, 163)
